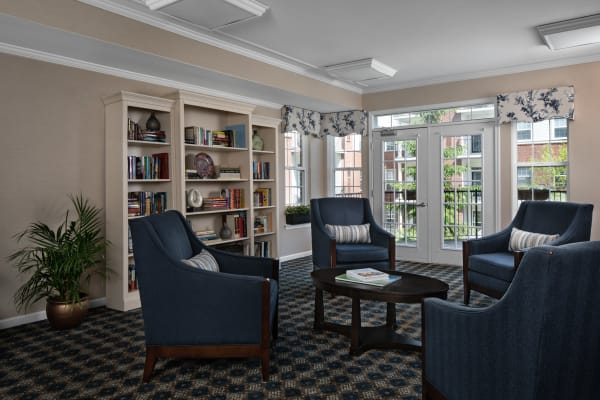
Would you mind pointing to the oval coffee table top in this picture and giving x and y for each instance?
(411, 288)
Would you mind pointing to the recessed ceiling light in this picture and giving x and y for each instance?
(360, 71)
(571, 33)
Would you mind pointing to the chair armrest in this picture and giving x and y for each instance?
(494, 243)
(246, 265)
(323, 242)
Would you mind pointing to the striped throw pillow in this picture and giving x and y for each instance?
(203, 260)
(350, 233)
(520, 240)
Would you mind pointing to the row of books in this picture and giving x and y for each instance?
(230, 136)
(237, 224)
(260, 170)
(146, 203)
(262, 197)
(132, 281)
(229, 198)
(135, 132)
(262, 248)
(155, 166)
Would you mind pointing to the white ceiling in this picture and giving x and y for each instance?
(426, 41)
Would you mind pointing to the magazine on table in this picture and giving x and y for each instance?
(367, 274)
(380, 282)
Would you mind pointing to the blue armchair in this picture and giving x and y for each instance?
(489, 265)
(190, 312)
(540, 341)
(329, 252)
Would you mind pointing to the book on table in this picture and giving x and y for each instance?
(367, 274)
(381, 282)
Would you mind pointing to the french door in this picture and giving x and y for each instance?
(433, 187)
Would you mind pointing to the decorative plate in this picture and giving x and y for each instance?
(204, 165)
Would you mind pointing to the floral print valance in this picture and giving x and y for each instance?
(313, 123)
(298, 119)
(344, 123)
(536, 105)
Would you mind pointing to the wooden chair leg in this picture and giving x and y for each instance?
(151, 357)
(265, 365)
(467, 295)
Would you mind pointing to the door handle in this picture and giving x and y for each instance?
(421, 204)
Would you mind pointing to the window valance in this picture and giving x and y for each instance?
(344, 123)
(313, 123)
(536, 105)
(303, 121)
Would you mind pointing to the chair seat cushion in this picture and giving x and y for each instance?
(355, 253)
(498, 265)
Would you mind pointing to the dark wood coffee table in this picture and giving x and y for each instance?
(410, 289)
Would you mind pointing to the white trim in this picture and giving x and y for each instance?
(40, 315)
(295, 256)
(88, 66)
(176, 26)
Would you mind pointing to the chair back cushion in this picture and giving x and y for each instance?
(170, 228)
(548, 217)
(342, 211)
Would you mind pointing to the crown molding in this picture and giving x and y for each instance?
(179, 27)
(103, 69)
(564, 62)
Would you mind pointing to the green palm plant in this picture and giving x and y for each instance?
(57, 260)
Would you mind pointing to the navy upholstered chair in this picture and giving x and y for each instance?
(489, 265)
(191, 312)
(540, 341)
(351, 251)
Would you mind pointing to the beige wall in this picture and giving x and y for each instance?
(584, 131)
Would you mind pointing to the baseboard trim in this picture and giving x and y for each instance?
(295, 255)
(40, 315)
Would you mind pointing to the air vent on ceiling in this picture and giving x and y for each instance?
(361, 71)
(210, 14)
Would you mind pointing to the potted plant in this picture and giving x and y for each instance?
(57, 261)
(299, 214)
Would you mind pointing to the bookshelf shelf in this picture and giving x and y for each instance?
(147, 143)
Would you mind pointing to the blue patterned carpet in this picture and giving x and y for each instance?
(104, 357)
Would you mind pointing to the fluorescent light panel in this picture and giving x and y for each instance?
(571, 33)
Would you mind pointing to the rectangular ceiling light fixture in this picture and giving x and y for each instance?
(360, 70)
(571, 33)
(210, 14)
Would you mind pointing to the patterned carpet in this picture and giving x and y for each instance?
(104, 357)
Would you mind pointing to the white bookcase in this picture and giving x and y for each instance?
(256, 234)
(124, 181)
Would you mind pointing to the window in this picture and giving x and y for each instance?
(523, 131)
(295, 169)
(476, 144)
(347, 158)
(542, 160)
(438, 116)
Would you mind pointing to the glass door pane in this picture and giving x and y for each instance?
(462, 172)
(400, 190)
